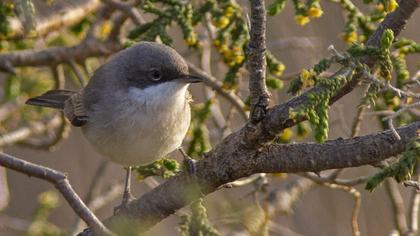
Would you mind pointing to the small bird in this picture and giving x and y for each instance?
(135, 108)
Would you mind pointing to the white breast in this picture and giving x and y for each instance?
(146, 126)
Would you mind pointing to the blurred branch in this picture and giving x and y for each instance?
(328, 179)
(256, 61)
(205, 61)
(14, 223)
(63, 18)
(128, 9)
(397, 206)
(57, 55)
(49, 143)
(357, 202)
(93, 191)
(100, 201)
(414, 209)
(61, 182)
(24, 132)
(211, 82)
(78, 73)
(283, 200)
(278, 229)
(11, 106)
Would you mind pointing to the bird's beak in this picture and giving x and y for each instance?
(190, 79)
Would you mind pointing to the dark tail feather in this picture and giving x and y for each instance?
(53, 99)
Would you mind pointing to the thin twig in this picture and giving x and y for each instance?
(249, 180)
(78, 73)
(61, 182)
(397, 113)
(205, 61)
(344, 182)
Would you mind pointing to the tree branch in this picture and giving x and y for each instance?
(260, 97)
(61, 182)
(229, 163)
(65, 17)
(57, 55)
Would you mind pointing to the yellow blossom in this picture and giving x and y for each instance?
(306, 78)
(304, 75)
(49, 199)
(239, 59)
(223, 49)
(391, 6)
(105, 29)
(191, 40)
(286, 135)
(409, 100)
(230, 62)
(302, 20)
(350, 37)
(278, 70)
(217, 43)
(236, 49)
(229, 11)
(315, 12)
(362, 38)
(221, 22)
(379, 7)
(395, 101)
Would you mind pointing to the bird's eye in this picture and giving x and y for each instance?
(155, 74)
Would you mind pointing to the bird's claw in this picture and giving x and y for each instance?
(127, 199)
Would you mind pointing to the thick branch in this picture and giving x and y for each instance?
(256, 61)
(61, 182)
(230, 163)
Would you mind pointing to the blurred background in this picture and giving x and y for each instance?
(320, 210)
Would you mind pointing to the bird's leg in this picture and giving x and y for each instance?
(127, 196)
(189, 163)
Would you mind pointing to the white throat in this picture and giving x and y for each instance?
(164, 94)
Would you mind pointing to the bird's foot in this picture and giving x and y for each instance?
(127, 199)
(127, 196)
(189, 163)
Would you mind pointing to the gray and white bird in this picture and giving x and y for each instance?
(135, 108)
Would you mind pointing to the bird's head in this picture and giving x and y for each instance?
(149, 64)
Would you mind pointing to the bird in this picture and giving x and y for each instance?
(135, 109)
